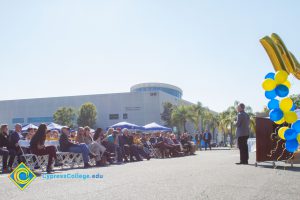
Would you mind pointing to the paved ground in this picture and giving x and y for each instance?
(207, 175)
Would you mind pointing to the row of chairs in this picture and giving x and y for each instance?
(32, 161)
(67, 159)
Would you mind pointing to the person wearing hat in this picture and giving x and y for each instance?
(67, 146)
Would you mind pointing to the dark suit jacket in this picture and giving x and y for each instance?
(65, 143)
(209, 137)
(4, 140)
(13, 140)
(242, 124)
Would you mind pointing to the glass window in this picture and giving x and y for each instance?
(39, 119)
(18, 120)
(113, 116)
(125, 116)
(166, 90)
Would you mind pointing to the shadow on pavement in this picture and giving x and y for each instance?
(286, 168)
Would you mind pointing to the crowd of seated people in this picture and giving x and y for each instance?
(170, 146)
(115, 146)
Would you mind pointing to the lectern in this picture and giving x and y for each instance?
(268, 145)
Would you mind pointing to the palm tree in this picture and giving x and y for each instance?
(223, 124)
(231, 115)
(197, 113)
(214, 124)
(249, 111)
(181, 115)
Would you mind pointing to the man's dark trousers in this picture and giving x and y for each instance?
(243, 146)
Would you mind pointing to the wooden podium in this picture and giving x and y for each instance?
(266, 141)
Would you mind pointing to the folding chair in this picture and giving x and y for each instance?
(32, 161)
(154, 152)
(77, 160)
(68, 159)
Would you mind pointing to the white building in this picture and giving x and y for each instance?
(142, 105)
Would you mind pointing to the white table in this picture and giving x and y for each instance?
(26, 143)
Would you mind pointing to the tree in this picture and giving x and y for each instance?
(87, 115)
(166, 116)
(65, 116)
(296, 100)
(197, 115)
(213, 123)
(228, 117)
(180, 116)
(223, 124)
(264, 113)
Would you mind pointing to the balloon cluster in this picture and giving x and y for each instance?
(281, 111)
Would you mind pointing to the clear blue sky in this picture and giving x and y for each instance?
(210, 49)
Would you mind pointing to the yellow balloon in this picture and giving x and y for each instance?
(269, 84)
(281, 76)
(280, 121)
(286, 104)
(281, 132)
(298, 138)
(287, 84)
(290, 117)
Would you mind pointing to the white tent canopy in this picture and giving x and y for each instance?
(156, 127)
(26, 127)
(127, 125)
(53, 126)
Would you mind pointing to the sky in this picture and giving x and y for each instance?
(210, 49)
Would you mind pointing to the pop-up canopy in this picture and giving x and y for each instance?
(156, 127)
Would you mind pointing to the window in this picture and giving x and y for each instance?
(39, 119)
(18, 120)
(113, 116)
(125, 116)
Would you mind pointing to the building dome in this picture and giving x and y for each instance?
(154, 87)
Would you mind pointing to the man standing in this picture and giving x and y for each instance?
(207, 139)
(242, 133)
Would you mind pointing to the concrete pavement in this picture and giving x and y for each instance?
(207, 175)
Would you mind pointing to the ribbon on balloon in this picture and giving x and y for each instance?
(282, 108)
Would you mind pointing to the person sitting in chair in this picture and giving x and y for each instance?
(140, 147)
(67, 146)
(5, 150)
(95, 148)
(37, 146)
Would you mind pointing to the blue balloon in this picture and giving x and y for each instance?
(290, 134)
(291, 146)
(274, 103)
(270, 94)
(282, 90)
(276, 114)
(270, 75)
(293, 108)
(296, 126)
